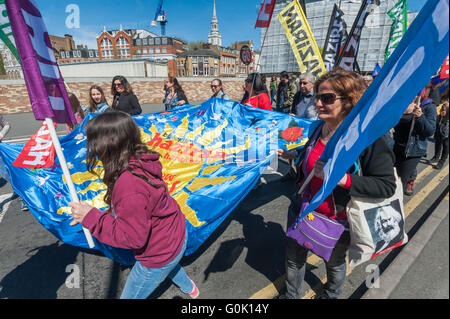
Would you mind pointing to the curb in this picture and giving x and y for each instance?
(390, 278)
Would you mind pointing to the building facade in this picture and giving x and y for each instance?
(140, 44)
(199, 63)
(277, 55)
(78, 55)
(12, 66)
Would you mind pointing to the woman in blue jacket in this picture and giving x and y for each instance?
(410, 136)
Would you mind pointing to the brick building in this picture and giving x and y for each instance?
(78, 55)
(202, 62)
(139, 43)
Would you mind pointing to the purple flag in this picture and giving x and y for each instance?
(43, 79)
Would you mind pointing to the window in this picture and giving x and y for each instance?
(144, 50)
(164, 50)
(106, 43)
(157, 41)
(91, 54)
(63, 54)
(122, 42)
(151, 42)
(138, 42)
(206, 60)
(164, 41)
(150, 51)
(157, 50)
(206, 71)
(216, 61)
(195, 71)
(194, 59)
(144, 42)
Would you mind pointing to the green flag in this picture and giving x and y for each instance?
(399, 16)
(5, 30)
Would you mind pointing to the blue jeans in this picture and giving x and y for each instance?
(296, 256)
(142, 281)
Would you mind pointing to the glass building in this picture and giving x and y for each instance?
(276, 52)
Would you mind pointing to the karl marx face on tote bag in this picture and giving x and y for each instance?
(386, 224)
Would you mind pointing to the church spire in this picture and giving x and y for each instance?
(214, 36)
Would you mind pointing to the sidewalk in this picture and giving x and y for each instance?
(421, 270)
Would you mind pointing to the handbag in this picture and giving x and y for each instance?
(315, 231)
(377, 225)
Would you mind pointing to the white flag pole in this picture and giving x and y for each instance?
(62, 161)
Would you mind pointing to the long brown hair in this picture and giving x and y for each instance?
(92, 105)
(114, 138)
(76, 105)
(176, 85)
(126, 85)
(349, 85)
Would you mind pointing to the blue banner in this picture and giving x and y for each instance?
(212, 156)
(408, 70)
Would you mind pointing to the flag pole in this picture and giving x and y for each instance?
(68, 177)
(258, 64)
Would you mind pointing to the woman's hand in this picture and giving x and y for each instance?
(318, 172)
(286, 154)
(417, 111)
(79, 210)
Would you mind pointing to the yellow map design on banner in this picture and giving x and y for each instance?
(299, 34)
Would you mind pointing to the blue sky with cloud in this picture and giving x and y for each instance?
(188, 20)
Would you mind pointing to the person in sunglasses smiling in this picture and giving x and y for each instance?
(216, 88)
(336, 93)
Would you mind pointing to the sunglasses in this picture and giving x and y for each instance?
(214, 86)
(118, 84)
(326, 98)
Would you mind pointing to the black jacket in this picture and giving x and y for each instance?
(377, 180)
(127, 103)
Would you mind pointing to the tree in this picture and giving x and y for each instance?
(195, 45)
(2, 67)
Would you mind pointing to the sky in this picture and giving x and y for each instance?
(188, 20)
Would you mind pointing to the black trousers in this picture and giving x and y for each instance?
(406, 166)
(441, 148)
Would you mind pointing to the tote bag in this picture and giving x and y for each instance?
(376, 225)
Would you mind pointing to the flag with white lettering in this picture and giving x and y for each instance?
(335, 39)
(399, 16)
(299, 34)
(265, 14)
(5, 31)
(42, 76)
(39, 152)
(409, 69)
(347, 58)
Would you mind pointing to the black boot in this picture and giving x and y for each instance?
(439, 165)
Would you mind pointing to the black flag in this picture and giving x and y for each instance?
(335, 39)
(347, 58)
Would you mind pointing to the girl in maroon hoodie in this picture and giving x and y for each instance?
(143, 216)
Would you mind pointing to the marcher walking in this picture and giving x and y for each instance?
(416, 125)
(142, 216)
(285, 93)
(5, 127)
(303, 104)
(441, 137)
(97, 100)
(336, 93)
(124, 98)
(175, 95)
(256, 92)
(217, 89)
(77, 110)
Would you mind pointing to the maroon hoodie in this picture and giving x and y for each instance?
(146, 219)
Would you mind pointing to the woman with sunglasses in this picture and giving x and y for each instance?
(124, 98)
(174, 94)
(256, 92)
(336, 93)
(216, 88)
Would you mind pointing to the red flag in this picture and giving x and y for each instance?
(39, 152)
(444, 69)
(265, 14)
